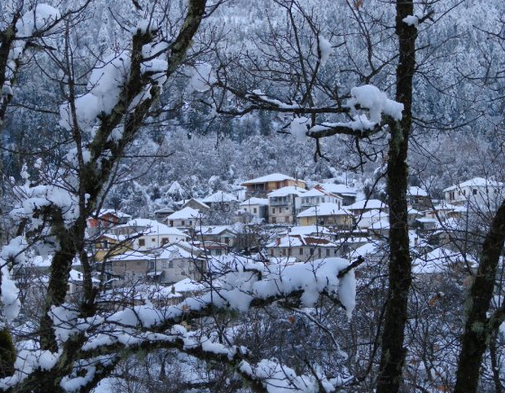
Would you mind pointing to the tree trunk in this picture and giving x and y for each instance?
(478, 331)
(393, 353)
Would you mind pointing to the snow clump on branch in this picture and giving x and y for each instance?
(376, 101)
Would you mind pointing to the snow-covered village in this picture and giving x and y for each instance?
(274, 196)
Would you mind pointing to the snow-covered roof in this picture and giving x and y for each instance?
(438, 260)
(448, 207)
(184, 214)
(374, 213)
(285, 191)
(324, 209)
(364, 251)
(308, 230)
(416, 191)
(290, 241)
(77, 276)
(110, 236)
(382, 224)
(341, 189)
(164, 210)
(153, 227)
(475, 182)
(213, 230)
(177, 251)
(367, 204)
(132, 256)
(219, 196)
(313, 192)
(255, 201)
(269, 178)
(117, 213)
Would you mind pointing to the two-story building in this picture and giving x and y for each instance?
(315, 196)
(329, 215)
(284, 205)
(262, 186)
(301, 247)
(254, 209)
(145, 234)
(477, 194)
(185, 218)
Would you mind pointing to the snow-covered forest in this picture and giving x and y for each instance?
(134, 131)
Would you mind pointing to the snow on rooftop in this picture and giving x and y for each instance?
(416, 191)
(367, 204)
(475, 182)
(374, 213)
(153, 227)
(308, 230)
(220, 196)
(269, 178)
(285, 191)
(313, 192)
(184, 214)
(341, 189)
(324, 209)
(255, 201)
(439, 260)
(213, 230)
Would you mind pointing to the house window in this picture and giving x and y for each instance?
(311, 251)
(255, 210)
(301, 251)
(142, 242)
(164, 240)
(183, 223)
(327, 252)
(474, 191)
(171, 223)
(273, 210)
(190, 222)
(219, 252)
(171, 264)
(319, 253)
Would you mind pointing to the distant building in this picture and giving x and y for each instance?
(348, 194)
(360, 207)
(317, 196)
(166, 265)
(106, 218)
(476, 194)
(261, 186)
(302, 248)
(185, 218)
(256, 209)
(418, 198)
(145, 234)
(327, 214)
(161, 215)
(284, 205)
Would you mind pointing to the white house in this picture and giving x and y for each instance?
(316, 196)
(360, 207)
(327, 214)
(284, 204)
(148, 234)
(348, 194)
(476, 194)
(256, 208)
(185, 218)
